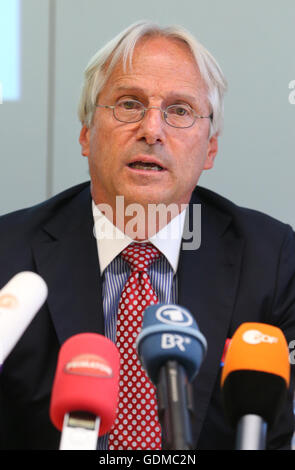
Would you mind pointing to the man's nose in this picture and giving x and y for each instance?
(152, 125)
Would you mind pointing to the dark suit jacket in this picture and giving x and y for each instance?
(243, 271)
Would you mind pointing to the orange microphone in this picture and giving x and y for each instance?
(254, 381)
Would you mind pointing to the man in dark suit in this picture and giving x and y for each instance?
(148, 132)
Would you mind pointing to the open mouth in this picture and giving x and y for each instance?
(145, 166)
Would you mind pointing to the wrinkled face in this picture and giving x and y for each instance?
(149, 161)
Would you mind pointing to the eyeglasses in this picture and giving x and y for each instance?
(175, 115)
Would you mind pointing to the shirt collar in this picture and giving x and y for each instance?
(111, 240)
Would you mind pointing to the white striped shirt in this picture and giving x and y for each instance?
(115, 271)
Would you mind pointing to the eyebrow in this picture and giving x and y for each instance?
(173, 95)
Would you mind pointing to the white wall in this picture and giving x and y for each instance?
(254, 44)
(24, 123)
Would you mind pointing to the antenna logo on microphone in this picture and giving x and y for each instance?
(89, 365)
(256, 337)
(174, 315)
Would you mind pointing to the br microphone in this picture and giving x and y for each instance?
(85, 390)
(254, 381)
(171, 349)
(20, 300)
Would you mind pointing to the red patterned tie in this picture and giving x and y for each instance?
(136, 426)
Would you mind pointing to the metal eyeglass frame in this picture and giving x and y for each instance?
(163, 111)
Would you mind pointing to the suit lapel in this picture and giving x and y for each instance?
(208, 280)
(66, 256)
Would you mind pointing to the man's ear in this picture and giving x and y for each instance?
(211, 152)
(84, 140)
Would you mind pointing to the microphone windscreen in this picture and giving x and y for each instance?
(86, 379)
(170, 333)
(256, 372)
(20, 300)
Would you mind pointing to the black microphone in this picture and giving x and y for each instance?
(171, 349)
(254, 381)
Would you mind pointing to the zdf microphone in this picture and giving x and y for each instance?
(20, 300)
(171, 349)
(255, 380)
(85, 390)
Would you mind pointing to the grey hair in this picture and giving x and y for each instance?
(122, 46)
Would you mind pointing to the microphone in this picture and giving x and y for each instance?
(85, 390)
(20, 299)
(255, 380)
(171, 349)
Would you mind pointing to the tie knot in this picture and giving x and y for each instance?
(140, 255)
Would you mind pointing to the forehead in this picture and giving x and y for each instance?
(159, 66)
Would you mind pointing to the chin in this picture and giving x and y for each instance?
(145, 198)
